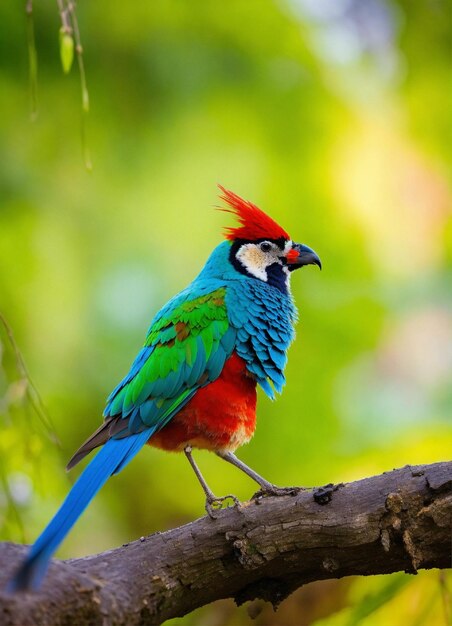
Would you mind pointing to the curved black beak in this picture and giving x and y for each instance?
(300, 255)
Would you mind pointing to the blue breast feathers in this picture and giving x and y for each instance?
(264, 318)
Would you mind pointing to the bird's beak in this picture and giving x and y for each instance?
(300, 255)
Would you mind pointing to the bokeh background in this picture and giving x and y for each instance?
(333, 116)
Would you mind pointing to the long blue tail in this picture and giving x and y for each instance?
(115, 454)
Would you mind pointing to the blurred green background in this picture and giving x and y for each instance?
(335, 117)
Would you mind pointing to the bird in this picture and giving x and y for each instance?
(193, 383)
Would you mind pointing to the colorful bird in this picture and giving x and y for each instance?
(193, 384)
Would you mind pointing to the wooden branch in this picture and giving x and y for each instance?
(401, 520)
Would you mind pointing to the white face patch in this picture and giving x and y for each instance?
(287, 247)
(256, 257)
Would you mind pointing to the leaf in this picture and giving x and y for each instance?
(66, 50)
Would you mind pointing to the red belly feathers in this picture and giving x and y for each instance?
(221, 416)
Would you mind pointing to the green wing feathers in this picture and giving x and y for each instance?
(185, 349)
(182, 343)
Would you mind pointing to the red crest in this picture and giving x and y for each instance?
(255, 224)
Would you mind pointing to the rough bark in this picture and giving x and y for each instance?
(400, 520)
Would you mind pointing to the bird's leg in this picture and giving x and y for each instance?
(266, 488)
(212, 502)
(209, 493)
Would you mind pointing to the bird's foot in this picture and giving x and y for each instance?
(213, 505)
(273, 490)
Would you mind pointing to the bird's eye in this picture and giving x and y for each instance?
(266, 246)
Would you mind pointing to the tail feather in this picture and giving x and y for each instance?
(113, 457)
(111, 428)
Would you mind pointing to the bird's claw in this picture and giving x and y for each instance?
(273, 490)
(216, 504)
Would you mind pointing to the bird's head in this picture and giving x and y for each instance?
(261, 248)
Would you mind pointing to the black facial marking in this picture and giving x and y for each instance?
(276, 277)
(281, 242)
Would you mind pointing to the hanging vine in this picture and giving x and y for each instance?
(70, 43)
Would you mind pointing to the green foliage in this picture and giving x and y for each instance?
(336, 120)
(374, 600)
(26, 432)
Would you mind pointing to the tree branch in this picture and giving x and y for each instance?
(400, 520)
